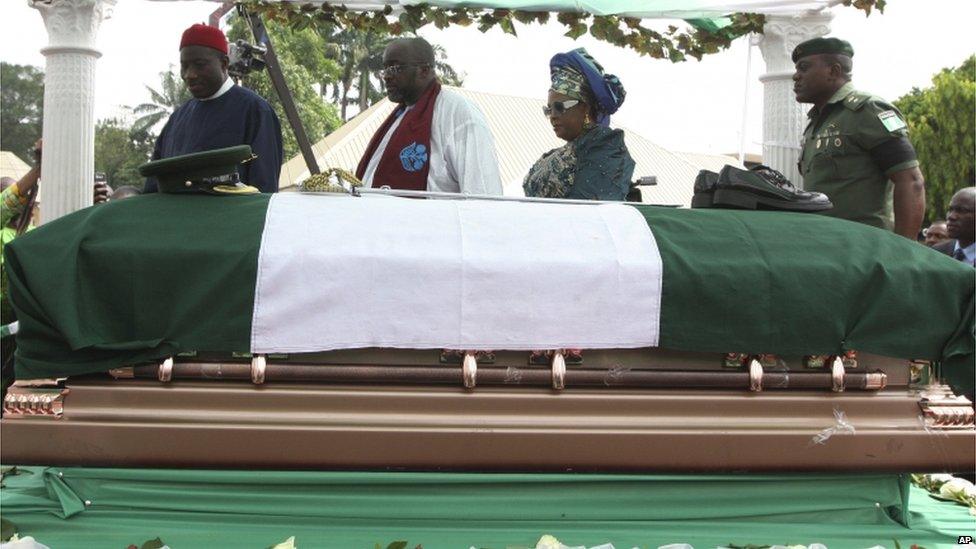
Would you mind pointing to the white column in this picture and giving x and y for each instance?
(68, 164)
(783, 118)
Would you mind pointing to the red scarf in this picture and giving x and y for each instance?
(406, 160)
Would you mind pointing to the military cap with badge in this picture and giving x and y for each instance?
(209, 172)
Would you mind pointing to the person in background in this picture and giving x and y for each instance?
(961, 225)
(16, 207)
(435, 140)
(936, 233)
(594, 163)
(15, 203)
(221, 114)
(855, 149)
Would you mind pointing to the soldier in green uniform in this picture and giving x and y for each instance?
(855, 148)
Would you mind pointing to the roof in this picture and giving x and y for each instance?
(713, 162)
(12, 166)
(517, 147)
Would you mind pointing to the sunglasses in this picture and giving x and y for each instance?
(559, 107)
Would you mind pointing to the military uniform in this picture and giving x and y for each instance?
(850, 149)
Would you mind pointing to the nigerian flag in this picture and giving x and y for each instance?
(152, 276)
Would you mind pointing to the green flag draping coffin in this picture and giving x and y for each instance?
(148, 277)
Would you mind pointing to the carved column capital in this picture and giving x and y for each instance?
(781, 34)
(69, 101)
(72, 24)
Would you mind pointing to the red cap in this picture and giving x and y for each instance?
(204, 35)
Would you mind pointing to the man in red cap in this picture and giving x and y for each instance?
(221, 114)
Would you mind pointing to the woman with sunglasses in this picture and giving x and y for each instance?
(594, 163)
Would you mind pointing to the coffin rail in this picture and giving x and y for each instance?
(638, 410)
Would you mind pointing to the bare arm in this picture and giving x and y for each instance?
(909, 201)
(27, 182)
(30, 178)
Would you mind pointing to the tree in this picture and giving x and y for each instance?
(172, 93)
(942, 128)
(302, 55)
(119, 151)
(21, 107)
(361, 58)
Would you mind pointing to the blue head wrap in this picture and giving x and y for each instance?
(605, 89)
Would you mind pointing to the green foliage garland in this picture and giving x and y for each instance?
(673, 44)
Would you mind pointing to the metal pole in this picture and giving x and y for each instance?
(495, 198)
(745, 102)
(500, 376)
(262, 38)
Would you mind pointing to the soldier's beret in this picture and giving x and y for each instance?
(212, 171)
(822, 45)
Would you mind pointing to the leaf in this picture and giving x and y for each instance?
(397, 545)
(152, 544)
(486, 22)
(507, 26)
(577, 30)
(7, 529)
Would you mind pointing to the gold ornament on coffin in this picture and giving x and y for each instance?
(332, 180)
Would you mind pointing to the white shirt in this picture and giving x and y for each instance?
(378, 153)
(462, 149)
(969, 252)
(224, 88)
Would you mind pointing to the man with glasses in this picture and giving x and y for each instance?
(435, 140)
(961, 222)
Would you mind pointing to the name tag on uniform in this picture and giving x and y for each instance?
(891, 120)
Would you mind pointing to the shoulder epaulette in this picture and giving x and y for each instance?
(856, 100)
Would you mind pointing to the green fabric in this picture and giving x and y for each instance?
(734, 283)
(594, 166)
(135, 280)
(836, 156)
(193, 508)
(144, 286)
(11, 205)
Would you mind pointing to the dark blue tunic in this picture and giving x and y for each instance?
(239, 117)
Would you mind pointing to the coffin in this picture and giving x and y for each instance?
(311, 332)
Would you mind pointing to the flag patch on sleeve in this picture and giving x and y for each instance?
(891, 121)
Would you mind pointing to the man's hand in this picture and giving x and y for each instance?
(102, 192)
(909, 201)
(38, 146)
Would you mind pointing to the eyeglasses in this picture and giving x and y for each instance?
(394, 70)
(559, 107)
